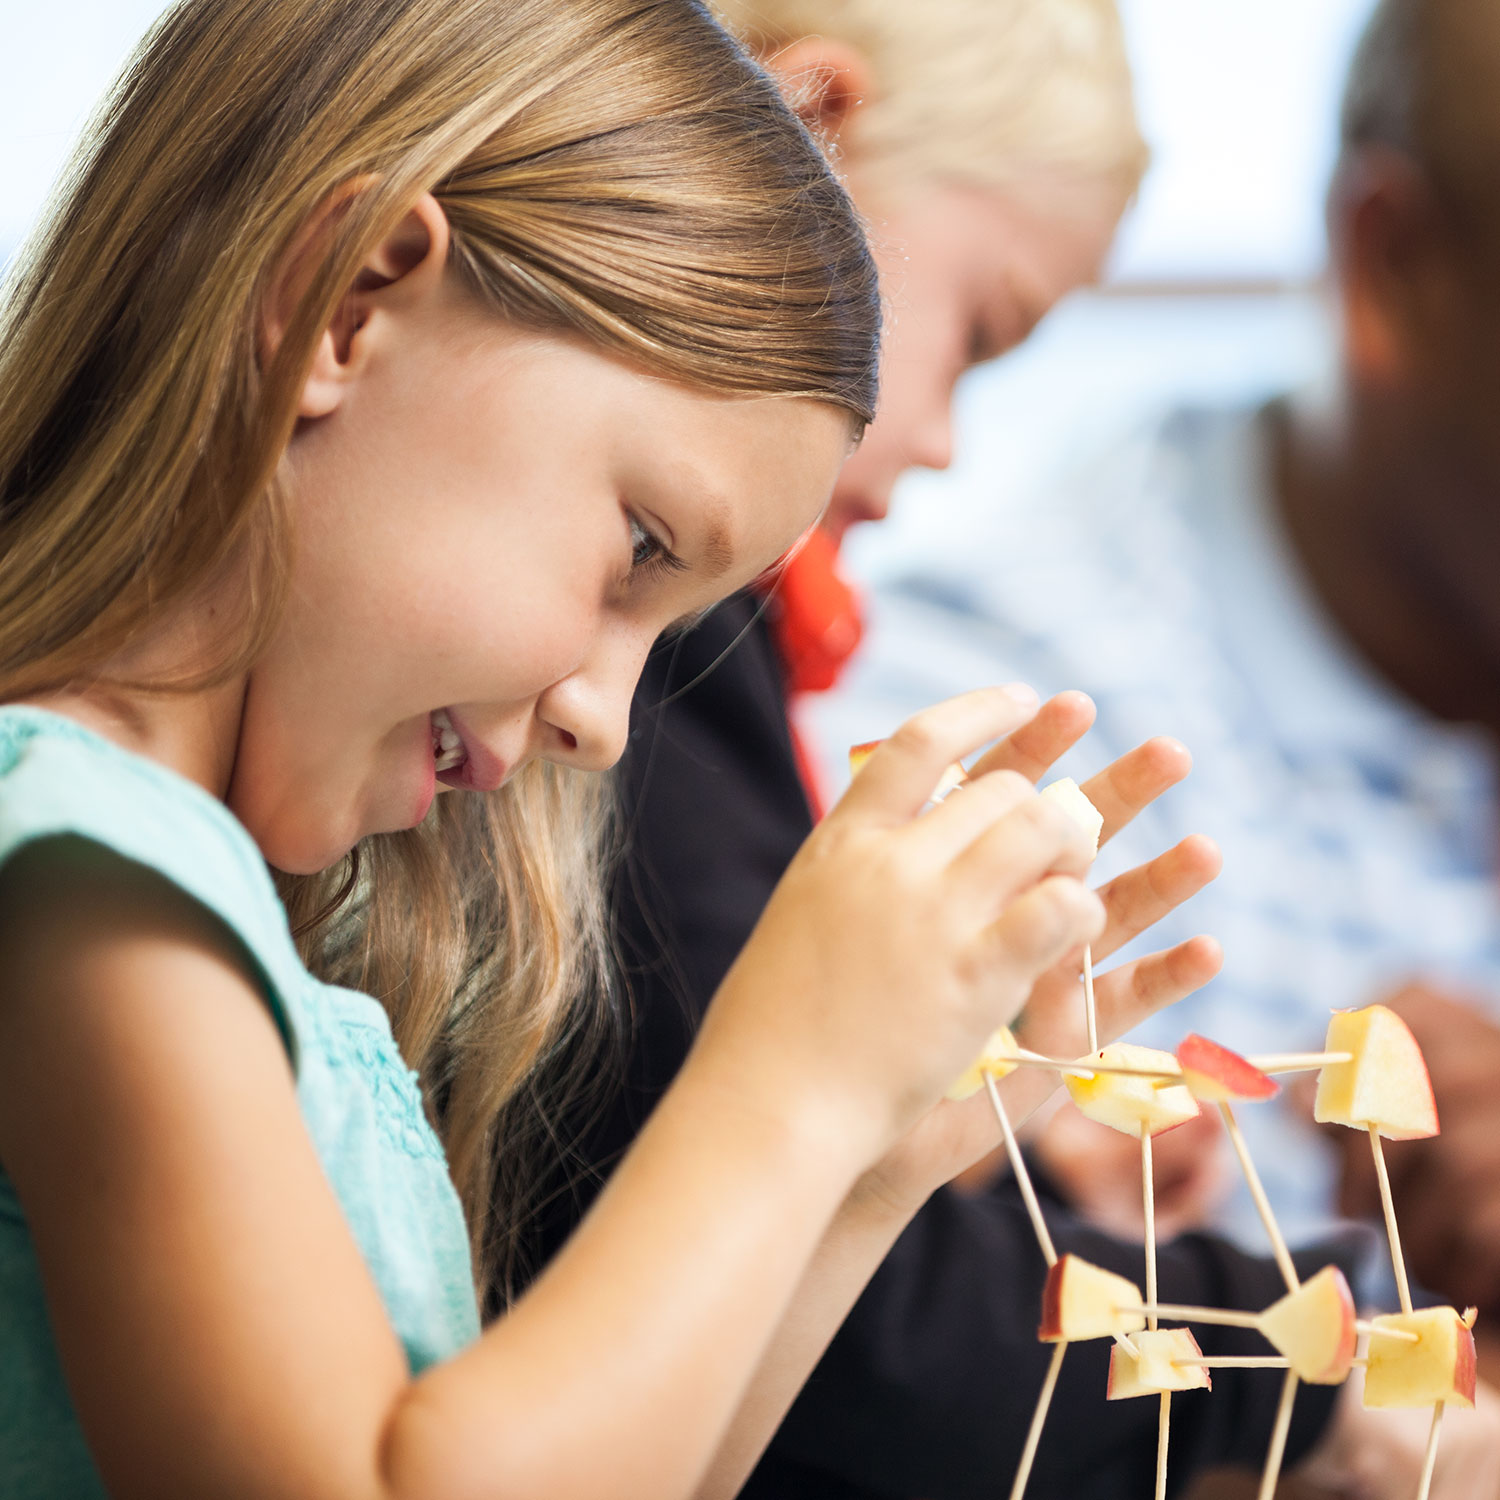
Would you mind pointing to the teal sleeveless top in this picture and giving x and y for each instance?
(360, 1102)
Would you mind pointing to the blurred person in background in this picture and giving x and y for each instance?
(1305, 592)
(993, 146)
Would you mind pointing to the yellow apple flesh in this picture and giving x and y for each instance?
(1385, 1083)
(996, 1059)
(1138, 1106)
(1440, 1366)
(1069, 796)
(1314, 1328)
(1165, 1364)
(1084, 1301)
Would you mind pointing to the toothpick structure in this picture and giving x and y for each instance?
(1371, 1077)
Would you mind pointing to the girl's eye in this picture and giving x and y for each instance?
(644, 547)
(649, 554)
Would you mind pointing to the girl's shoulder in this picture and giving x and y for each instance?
(361, 1104)
(59, 778)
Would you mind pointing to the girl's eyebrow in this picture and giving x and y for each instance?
(717, 552)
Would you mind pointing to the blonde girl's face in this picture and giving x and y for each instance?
(494, 526)
(967, 273)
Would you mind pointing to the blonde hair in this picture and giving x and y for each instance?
(611, 169)
(1012, 94)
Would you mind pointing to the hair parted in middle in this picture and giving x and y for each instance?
(616, 171)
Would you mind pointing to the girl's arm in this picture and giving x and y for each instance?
(214, 1318)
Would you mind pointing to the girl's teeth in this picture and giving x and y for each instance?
(447, 747)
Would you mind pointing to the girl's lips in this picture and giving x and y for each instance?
(481, 769)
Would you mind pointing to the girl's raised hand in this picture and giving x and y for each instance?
(896, 942)
(954, 1136)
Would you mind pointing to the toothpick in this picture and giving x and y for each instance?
(1082, 1068)
(1222, 1316)
(1163, 1440)
(1234, 1362)
(1392, 1232)
(1429, 1462)
(1277, 1450)
(1262, 1203)
(1090, 1014)
(1404, 1334)
(1148, 1203)
(1148, 1196)
(1297, 1062)
(1022, 1175)
(1038, 1418)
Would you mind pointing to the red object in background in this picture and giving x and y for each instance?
(815, 615)
(817, 626)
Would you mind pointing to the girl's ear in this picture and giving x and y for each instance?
(824, 80)
(404, 269)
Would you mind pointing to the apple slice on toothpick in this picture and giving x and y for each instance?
(1314, 1327)
(998, 1058)
(1215, 1075)
(1070, 797)
(1439, 1367)
(1169, 1359)
(1137, 1105)
(1084, 1301)
(1384, 1085)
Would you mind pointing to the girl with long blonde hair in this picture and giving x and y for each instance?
(385, 376)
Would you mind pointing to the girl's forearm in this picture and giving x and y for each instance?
(620, 1370)
(857, 1241)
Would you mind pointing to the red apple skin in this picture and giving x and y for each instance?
(1466, 1371)
(1050, 1329)
(1228, 1069)
(1343, 1362)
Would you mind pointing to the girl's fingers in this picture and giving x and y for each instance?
(1141, 897)
(1126, 996)
(899, 778)
(967, 814)
(1036, 929)
(1060, 723)
(1140, 776)
(1036, 838)
(1053, 1023)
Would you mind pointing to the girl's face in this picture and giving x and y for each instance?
(495, 526)
(967, 273)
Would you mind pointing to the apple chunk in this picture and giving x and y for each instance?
(1314, 1328)
(1136, 1105)
(996, 1059)
(1215, 1075)
(1084, 1301)
(1440, 1366)
(1165, 1364)
(1385, 1082)
(1071, 798)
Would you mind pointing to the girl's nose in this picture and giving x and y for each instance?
(586, 716)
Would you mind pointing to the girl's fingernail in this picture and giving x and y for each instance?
(1021, 693)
